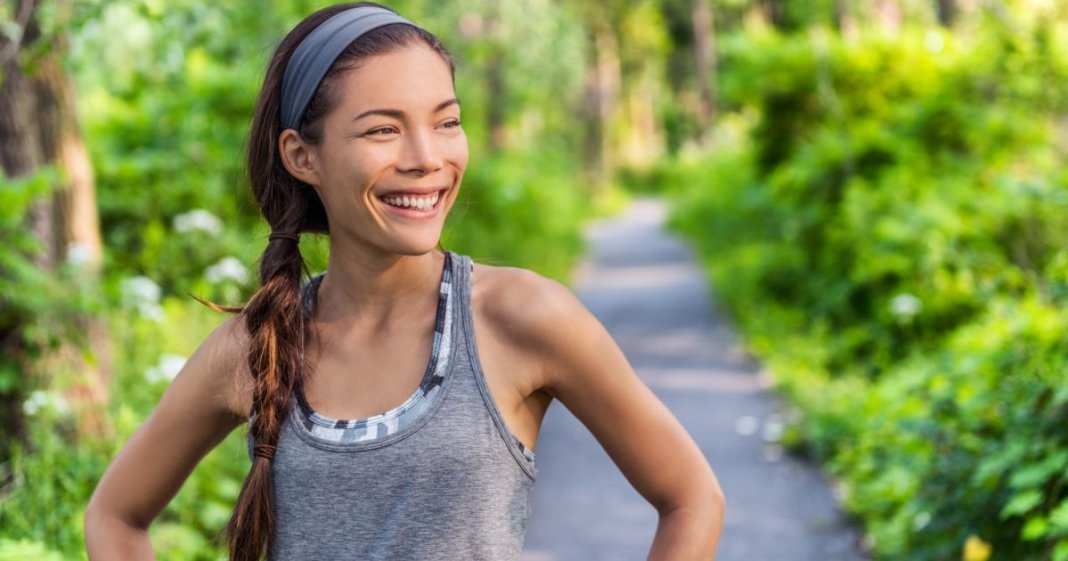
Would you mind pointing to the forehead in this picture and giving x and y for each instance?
(411, 76)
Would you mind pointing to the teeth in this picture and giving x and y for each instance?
(419, 203)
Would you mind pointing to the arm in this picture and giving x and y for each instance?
(584, 368)
(196, 412)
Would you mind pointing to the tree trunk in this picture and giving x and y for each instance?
(643, 142)
(774, 13)
(61, 142)
(889, 13)
(845, 20)
(38, 126)
(947, 12)
(704, 46)
(496, 90)
(19, 156)
(602, 99)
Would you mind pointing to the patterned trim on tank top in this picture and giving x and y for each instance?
(392, 421)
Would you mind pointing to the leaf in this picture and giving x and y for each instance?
(1060, 552)
(1035, 529)
(1021, 503)
(1058, 517)
(1035, 475)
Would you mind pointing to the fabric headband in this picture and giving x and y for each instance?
(317, 52)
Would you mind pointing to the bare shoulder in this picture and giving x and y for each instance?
(522, 302)
(221, 362)
(540, 318)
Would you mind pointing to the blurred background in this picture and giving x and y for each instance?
(878, 188)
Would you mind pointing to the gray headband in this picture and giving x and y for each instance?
(317, 52)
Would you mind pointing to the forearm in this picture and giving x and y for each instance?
(108, 537)
(688, 533)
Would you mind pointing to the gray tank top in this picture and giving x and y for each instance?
(438, 477)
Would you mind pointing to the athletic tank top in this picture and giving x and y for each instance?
(439, 477)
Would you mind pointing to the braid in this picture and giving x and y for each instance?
(277, 324)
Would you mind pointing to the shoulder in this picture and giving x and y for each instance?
(516, 289)
(537, 316)
(521, 300)
(221, 367)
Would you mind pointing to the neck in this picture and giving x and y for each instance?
(369, 288)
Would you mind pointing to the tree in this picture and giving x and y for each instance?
(704, 47)
(38, 129)
(946, 11)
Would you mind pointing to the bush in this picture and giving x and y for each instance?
(885, 219)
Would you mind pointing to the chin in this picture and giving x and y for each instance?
(416, 248)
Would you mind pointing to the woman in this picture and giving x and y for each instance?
(379, 428)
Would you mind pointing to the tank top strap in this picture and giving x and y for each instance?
(464, 270)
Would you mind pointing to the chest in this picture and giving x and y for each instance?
(361, 374)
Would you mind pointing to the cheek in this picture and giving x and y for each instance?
(359, 168)
(456, 151)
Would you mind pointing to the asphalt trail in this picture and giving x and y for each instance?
(647, 289)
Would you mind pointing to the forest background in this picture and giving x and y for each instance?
(878, 188)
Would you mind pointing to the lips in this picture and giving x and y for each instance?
(415, 191)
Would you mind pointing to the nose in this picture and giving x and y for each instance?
(421, 153)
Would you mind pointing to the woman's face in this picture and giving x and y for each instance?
(392, 153)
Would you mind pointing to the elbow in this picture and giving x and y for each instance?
(704, 502)
(718, 500)
(715, 497)
(103, 524)
(712, 504)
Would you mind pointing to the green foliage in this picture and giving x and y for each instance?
(38, 310)
(885, 218)
(55, 478)
(969, 440)
(501, 211)
(24, 549)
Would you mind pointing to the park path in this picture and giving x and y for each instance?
(646, 288)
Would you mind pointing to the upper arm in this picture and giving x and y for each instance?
(585, 369)
(196, 412)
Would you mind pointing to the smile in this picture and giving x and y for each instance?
(415, 202)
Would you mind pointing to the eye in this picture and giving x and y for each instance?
(381, 131)
(452, 124)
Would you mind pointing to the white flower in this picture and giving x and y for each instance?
(746, 425)
(934, 41)
(78, 254)
(137, 290)
(228, 268)
(40, 400)
(921, 520)
(905, 306)
(198, 219)
(773, 429)
(142, 294)
(166, 369)
(153, 312)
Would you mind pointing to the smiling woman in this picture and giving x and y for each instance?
(394, 401)
(388, 159)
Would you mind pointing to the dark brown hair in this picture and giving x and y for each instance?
(275, 317)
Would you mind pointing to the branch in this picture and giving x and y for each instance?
(16, 31)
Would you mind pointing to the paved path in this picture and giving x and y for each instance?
(646, 288)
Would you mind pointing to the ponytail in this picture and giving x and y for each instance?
(276, 323)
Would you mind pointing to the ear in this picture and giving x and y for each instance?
(298, 157)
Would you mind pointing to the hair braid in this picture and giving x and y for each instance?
(277, 324)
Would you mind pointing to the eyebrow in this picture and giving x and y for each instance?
(398, 114)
